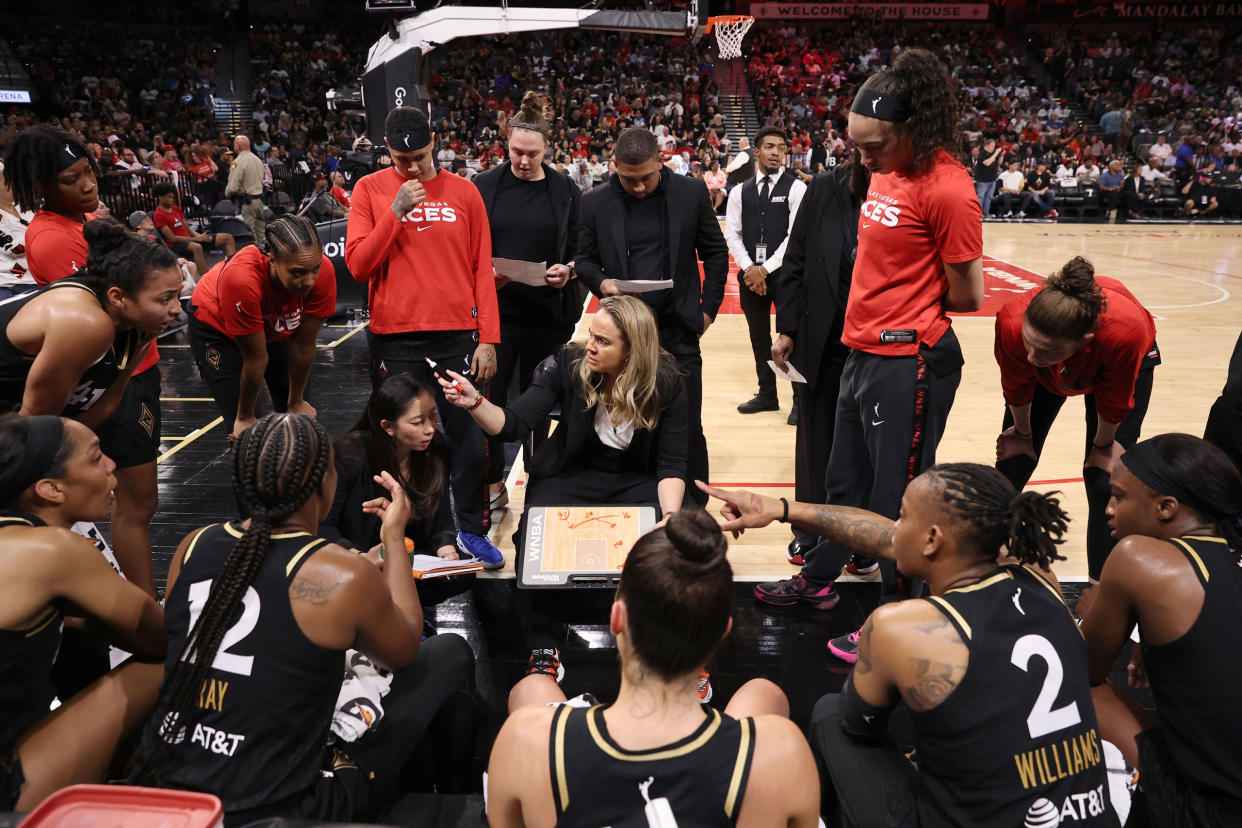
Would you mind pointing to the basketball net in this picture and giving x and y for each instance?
(729, 33)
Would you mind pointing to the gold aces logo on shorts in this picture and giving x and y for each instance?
(147, 420)
(213, 357)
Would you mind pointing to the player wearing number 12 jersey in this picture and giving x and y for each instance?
(259, 615)
(991, 666)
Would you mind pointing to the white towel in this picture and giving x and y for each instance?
(358, 705)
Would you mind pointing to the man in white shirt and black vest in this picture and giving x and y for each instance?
(759, 215)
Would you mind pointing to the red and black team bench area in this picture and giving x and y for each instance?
(785, 646)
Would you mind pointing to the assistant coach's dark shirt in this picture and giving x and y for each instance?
(524, 227)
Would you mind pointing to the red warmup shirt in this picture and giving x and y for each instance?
(55, 248)
(238, 297)
(172, 218)
(431, 269)
(1106, 366)
(907, 229)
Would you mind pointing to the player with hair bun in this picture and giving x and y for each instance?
(533, 213)
(991, 666)
(1077, 334)
(656, 756)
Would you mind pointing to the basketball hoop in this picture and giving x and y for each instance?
(730, 29)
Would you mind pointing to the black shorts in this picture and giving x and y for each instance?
(11, 779)
(1165, 799)
(131, 436)
(340, 794)
(181, 245)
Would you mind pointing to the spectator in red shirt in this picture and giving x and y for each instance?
(255, 320)
(171, 225)
(920, 249)
(48, 169)
(1078, 334)
(420, 238)
(338, 189)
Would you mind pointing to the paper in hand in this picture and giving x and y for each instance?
(516, 270)
(642, 285)
(432, 566)
(787, 373)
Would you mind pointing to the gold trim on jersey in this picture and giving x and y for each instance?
(14, 520)
(1051, 587)
(650, 756)
(189, 550)
(41, 625)
(558, 755)
(237, 533)
(984, 584)
(739, 767)
(1194, 556)
(293, 562)
(951, 610)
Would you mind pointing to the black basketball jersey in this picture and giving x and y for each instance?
(261, 729)
(15, 364)
(699, 780)
(1016, 742)
(1197, 679)
(26, 658)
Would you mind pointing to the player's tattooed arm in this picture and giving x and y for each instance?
(863, 665)
(311, 590)
(860, 531)
(936, 672)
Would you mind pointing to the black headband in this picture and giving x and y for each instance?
(67, 156)
(418, 136)
(1145, 463)
(884, 106)
(44, 435)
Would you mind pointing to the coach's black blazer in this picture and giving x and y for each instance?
(820, 254)
(661, 452)
(694, 229)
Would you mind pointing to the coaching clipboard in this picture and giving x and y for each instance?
(580, 546)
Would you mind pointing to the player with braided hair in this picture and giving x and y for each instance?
(259, 614)
(1078, 334)
(1176, 508)
(991, 665)
(255, 318)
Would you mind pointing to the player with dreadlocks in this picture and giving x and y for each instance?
(991, 665)
(1176, 509)
(259, 615)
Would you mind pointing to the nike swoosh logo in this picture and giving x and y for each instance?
(878, 422)
(866, 225)
(424, 227)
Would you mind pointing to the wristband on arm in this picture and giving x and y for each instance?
(861, 720)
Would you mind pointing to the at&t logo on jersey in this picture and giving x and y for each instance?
(1076, 808)
(878, 210)
(430, 211)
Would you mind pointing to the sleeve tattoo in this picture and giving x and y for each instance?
(857, 529)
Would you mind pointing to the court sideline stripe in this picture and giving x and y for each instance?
(189, 438)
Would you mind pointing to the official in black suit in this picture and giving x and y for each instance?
(810, 312)
(649, 224)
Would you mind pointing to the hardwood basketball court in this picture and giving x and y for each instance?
(1188, 276)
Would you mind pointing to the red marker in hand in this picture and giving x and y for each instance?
(435, 369)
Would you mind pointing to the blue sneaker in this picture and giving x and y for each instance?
(481, 549)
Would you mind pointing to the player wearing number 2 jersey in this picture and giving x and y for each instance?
(991, 666)
(259, 615)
